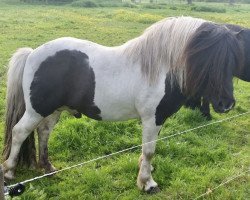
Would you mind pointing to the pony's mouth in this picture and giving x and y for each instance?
(223, 107)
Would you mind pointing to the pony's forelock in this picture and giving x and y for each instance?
(211, 52)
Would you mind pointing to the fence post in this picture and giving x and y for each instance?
(1, 184)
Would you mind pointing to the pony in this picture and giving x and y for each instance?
(242, 72)
(148, 78)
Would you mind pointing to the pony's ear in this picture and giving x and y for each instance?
(239, 33)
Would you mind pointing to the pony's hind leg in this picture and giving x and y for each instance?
(150, 134)
(44, 129)
(20, 132)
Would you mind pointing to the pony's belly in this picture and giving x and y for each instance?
(116, 88)
(117, 112)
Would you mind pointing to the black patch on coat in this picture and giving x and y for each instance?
(64, 79)
(170, 103)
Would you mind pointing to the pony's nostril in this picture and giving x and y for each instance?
(229, 105)
(225, 105)
(220, 104)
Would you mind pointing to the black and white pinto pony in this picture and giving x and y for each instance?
(149, 78)
(243, 73)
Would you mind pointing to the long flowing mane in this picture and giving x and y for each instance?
(161, 45)
(165, 46)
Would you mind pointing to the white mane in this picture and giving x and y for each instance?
(162, 45)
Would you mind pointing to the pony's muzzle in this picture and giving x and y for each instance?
(224, 105)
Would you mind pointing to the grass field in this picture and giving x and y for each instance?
(186, 166)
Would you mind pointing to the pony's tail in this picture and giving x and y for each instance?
(15, 106)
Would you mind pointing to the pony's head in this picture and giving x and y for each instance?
(243, 72)
(212, 55)
(243, 36)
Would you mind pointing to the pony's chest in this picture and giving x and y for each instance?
(113, 110)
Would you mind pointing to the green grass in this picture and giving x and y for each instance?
(186, 166)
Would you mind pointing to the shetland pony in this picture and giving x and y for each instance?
(242, 72)
(149, 78)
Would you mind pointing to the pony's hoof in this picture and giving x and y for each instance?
(150, 186)
(153, 190)
(208, 117)
(50, 169)
(9, 175)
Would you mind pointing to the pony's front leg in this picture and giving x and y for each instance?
(205, 110)
(150, 134)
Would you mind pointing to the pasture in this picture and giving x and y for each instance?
(185, 166)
